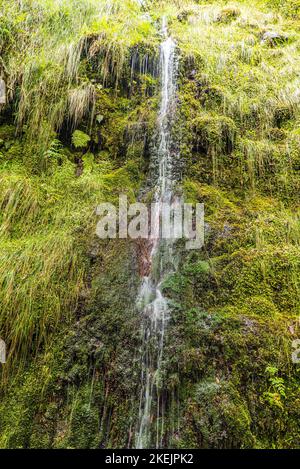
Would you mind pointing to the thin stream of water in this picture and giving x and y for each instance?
(151, 302)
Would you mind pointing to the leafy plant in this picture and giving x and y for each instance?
(276, 388)
(80, 139)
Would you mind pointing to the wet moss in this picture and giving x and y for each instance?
(227, 373)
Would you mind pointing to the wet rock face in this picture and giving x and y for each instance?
(2, 91)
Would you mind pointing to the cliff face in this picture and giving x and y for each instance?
(78, 110)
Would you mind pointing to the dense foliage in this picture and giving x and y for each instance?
(81, 78)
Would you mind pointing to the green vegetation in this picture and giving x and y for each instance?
(82, 95)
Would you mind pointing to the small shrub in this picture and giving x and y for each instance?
(80, 139)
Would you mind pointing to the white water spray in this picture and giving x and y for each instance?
(151, 302)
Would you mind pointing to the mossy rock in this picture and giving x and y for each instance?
(273, 38)
(7, 132)
(282, 114)
(228, 14)
(276, 134)
(184, 14)
(214, 198)
(221, 418)
(261, 306)
(211, 95)
(258, 204)
(215, 132)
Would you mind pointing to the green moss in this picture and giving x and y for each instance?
(80, 139)
(73, 374)
(228, 14)
(215, 132)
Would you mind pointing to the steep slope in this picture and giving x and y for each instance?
(82, 81)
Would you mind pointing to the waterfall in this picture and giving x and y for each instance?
(151, 302)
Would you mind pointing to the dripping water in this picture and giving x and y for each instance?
(151, 302)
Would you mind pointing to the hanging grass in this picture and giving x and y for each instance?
(44, 74)
(40, 280)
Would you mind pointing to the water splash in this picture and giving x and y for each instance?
(151, 301)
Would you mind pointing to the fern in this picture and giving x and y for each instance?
(80, 139)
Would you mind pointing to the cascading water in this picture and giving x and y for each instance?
(151, 301)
